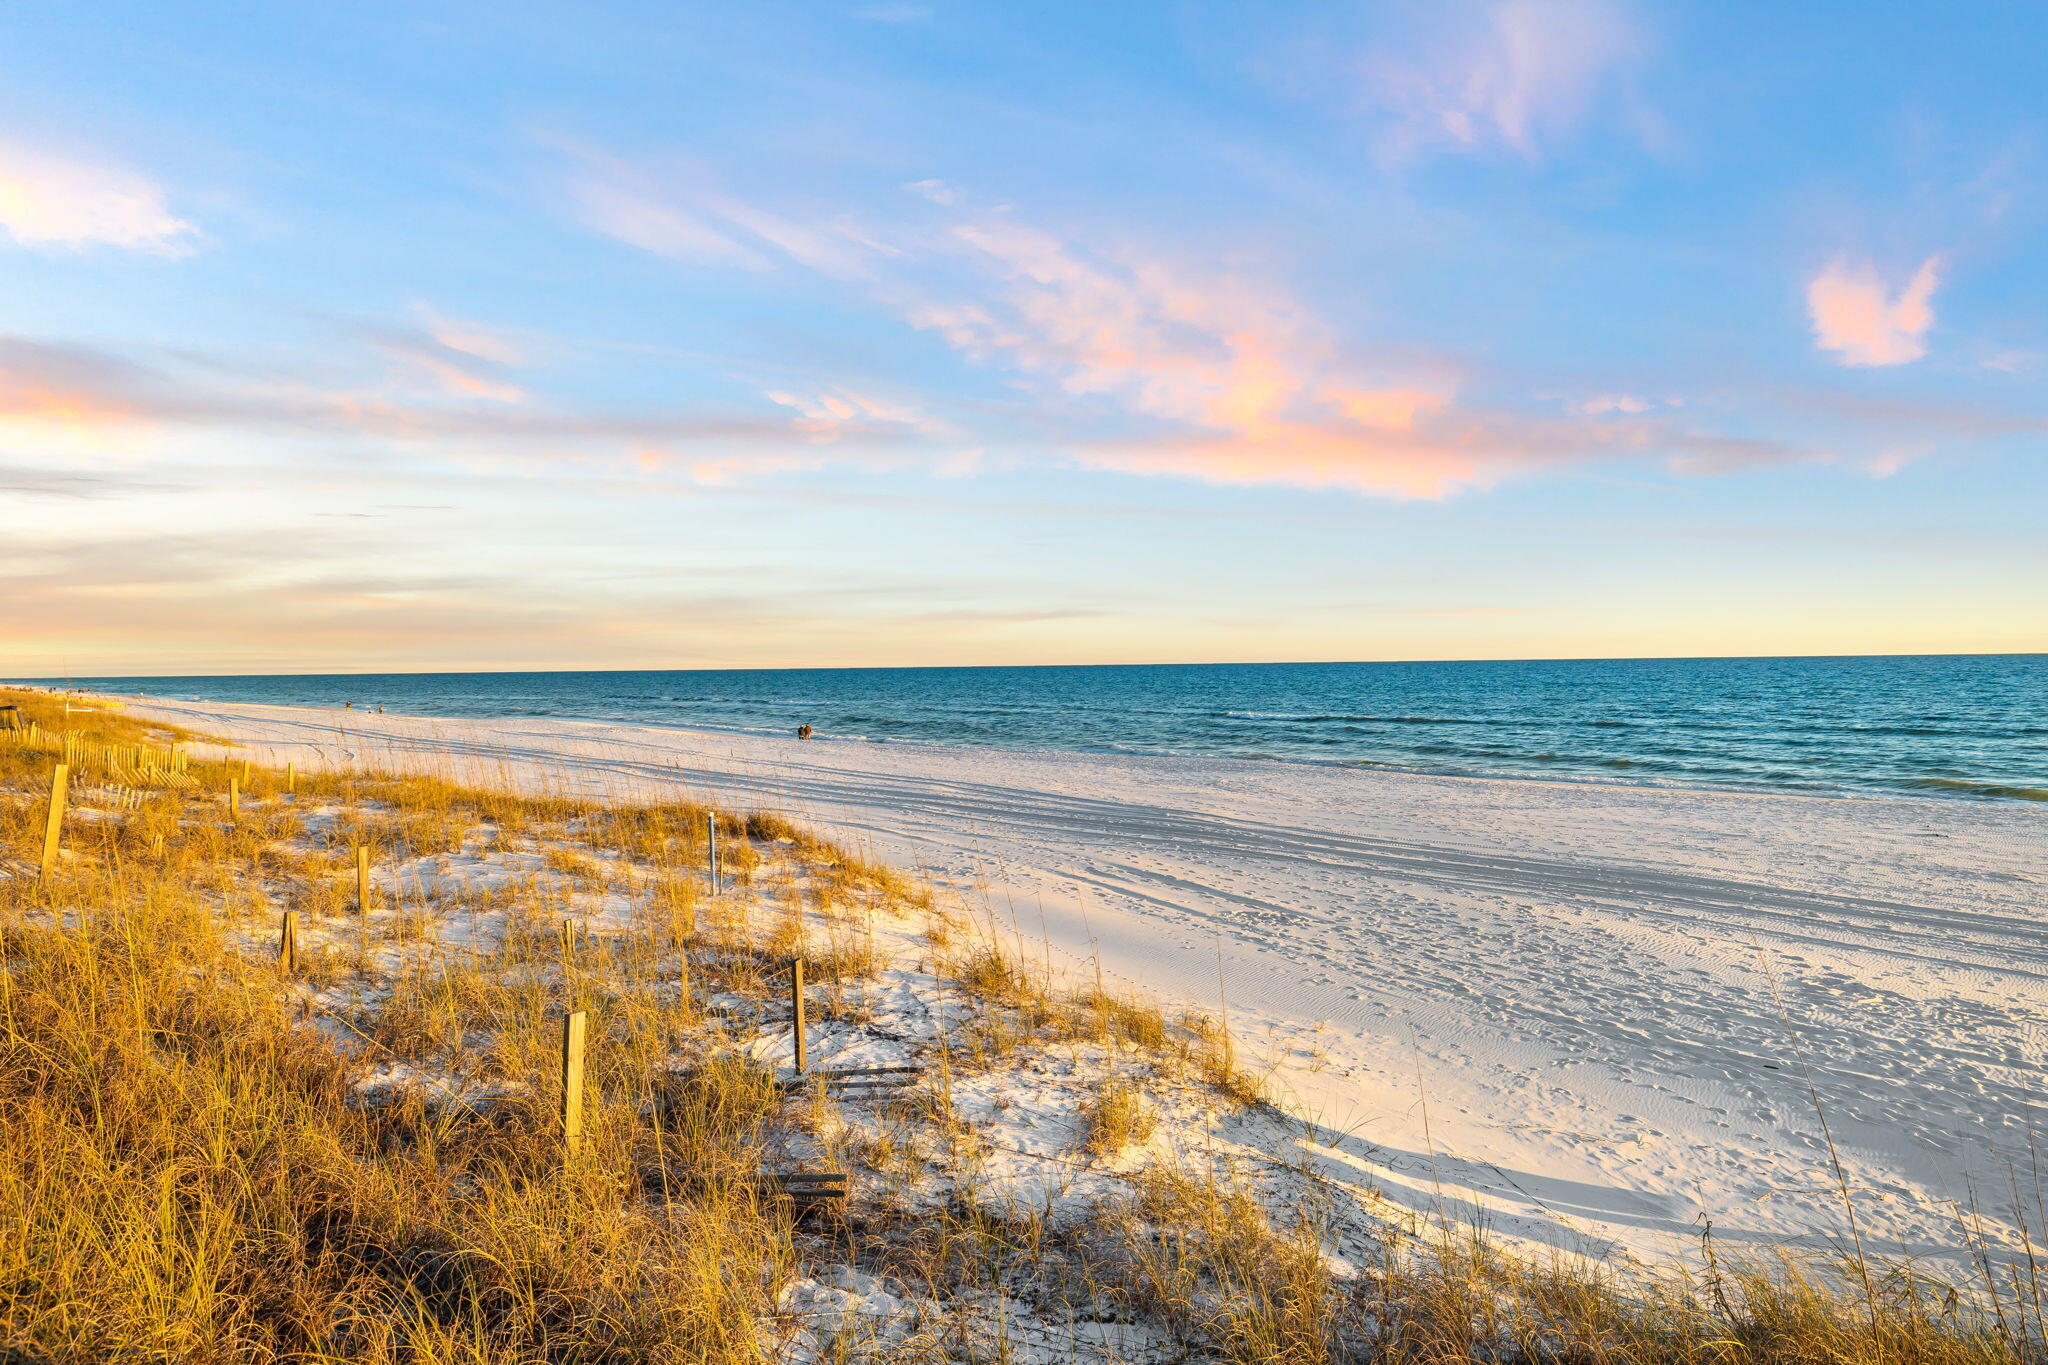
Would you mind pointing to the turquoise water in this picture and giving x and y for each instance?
(1960, 726)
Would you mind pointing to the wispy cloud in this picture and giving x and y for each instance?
(50, 200)
(471, 338)
(1613, 402)
(1514, 75)
(1932, 421)
(34, 481)
(831, 412)
(463, 359)
(52, 393)
(863, 431)
(1866, 319)
(1161, 365)
(675, 208)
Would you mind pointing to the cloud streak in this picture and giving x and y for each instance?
(83, 397)
(461, 359)
(1520, 76)
(675, 208)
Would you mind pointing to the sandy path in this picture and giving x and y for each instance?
(1544, 1000)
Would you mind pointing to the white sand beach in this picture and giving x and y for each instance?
(1587, 1014)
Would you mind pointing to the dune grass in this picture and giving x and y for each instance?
(204, 1158)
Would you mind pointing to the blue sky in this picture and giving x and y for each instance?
(475, 336)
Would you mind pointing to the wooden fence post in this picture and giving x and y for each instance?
(245, 772)
(234, 799)
(291, 778)
(796, 1007)
(711, 849)
(288, 943)
(53, 828)
(572, 1081)
(1223, 1012)
(362, 879)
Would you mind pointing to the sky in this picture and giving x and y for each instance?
(419, 336)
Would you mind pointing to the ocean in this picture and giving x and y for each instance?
(1969, 726)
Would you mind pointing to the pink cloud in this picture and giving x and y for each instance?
(1864, 320)
(1447, 449)
(835, 412)
(1249, 385)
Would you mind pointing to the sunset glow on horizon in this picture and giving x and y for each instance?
(674, 336)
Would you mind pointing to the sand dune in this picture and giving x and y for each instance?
(1579, 1011)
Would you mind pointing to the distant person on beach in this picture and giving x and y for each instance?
(803, 732)
(348, 706)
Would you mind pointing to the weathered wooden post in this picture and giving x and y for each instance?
(291, 779)
(362, 879)
(245, 772)
(234, 799)
(53, 828)
(572, 1081)
(711, 849)
(796, 1009)
(288, 943)
(1223, 1011)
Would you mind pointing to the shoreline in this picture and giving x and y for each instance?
(1535, 997)
(1938, 789)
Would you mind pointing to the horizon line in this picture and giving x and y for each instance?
(905, 668)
